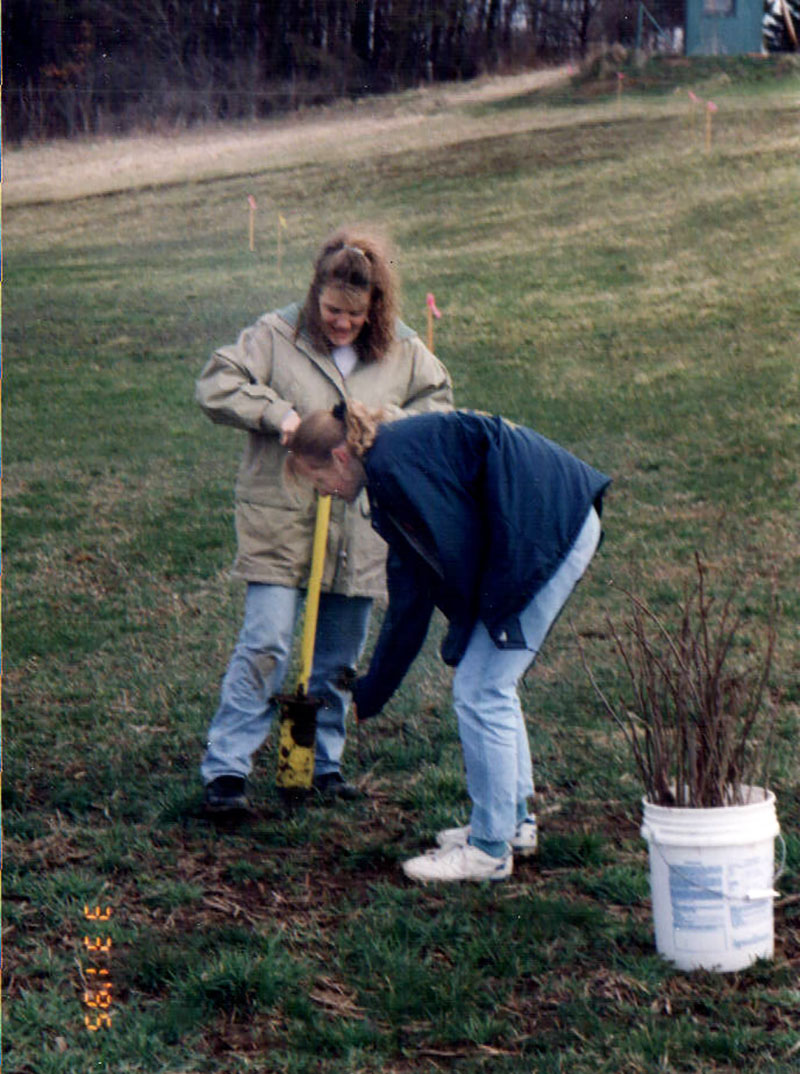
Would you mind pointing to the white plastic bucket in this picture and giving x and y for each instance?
(711, 878)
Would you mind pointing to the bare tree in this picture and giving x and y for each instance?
(73, 66)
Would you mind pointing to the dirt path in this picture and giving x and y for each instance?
(65, 170)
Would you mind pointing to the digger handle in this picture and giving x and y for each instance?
(312, 595)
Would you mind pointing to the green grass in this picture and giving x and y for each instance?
(603, 278)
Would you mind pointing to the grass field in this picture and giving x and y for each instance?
(604, 277)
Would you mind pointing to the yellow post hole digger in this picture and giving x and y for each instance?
(298, 711)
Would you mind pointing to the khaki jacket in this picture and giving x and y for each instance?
(253, 385)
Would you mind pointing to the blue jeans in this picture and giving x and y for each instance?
(494, 740)
(257, 670)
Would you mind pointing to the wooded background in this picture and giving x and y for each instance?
(107, 66)
(110, 66)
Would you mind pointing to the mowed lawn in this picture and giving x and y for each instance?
(605, 275)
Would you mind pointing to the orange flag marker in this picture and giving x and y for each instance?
(282, 226)
(694, 101)
(251, 201)
(711, 108)
(433, 311)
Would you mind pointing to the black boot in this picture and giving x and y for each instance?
(332, 785)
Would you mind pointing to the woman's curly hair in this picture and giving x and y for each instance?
(357, 261)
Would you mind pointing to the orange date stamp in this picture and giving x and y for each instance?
(96, 975)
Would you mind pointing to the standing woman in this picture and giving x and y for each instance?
(345, 343)
(494, 525)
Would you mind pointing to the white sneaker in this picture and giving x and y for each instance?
(460, 862)
(523, 843)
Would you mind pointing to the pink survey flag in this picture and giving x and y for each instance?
(432, 312)
(251, 201)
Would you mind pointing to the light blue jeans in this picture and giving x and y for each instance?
(257, 670)
(494, 740)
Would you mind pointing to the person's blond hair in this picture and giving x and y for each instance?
(358, 261)
(321, 431)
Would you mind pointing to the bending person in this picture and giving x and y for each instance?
(345, 342)
(494, 525)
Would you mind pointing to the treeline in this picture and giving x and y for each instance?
(103, 66)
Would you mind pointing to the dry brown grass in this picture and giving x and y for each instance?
(64, 170)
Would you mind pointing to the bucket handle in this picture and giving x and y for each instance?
(782, 866)
(750, 896)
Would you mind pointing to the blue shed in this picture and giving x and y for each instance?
(724, 27)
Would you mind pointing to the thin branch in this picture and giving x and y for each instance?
(693, 719)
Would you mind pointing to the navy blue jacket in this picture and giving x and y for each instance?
(478, 515)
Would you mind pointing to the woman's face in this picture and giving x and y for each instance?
(343, 315)
(342, 476)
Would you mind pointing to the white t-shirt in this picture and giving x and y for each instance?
(345, 359)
